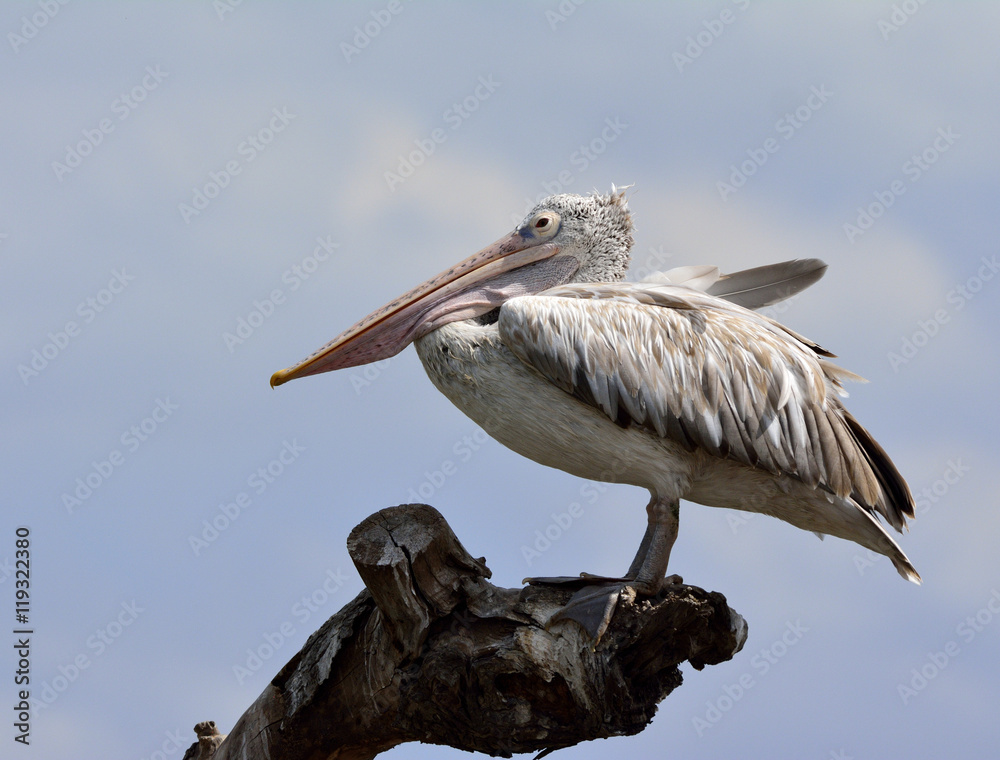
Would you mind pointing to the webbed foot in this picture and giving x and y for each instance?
(594, 603)
(592, 608)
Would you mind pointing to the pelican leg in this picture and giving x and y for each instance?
(594, 604)
(646, 573)
(649, 567)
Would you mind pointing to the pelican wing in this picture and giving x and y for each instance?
(707, 374)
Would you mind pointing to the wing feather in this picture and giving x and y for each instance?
(760, 286)
(707, 374)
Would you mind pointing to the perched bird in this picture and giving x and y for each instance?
(674, 384)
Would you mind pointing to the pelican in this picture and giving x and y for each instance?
(674, 384)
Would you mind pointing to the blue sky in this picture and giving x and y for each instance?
(195, 195)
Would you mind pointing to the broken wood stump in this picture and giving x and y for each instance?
(431, 651)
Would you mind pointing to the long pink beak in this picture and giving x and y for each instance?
(474, 287)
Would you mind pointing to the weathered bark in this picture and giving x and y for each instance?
(433, 652)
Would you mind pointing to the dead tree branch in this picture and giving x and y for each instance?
(433, 652)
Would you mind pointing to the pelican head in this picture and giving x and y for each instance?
(596, 230)
(565, 238)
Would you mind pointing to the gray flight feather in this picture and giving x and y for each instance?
(763, 286)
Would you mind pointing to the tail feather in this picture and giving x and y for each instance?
(904, 568)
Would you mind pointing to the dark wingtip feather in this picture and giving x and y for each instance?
(899, 500)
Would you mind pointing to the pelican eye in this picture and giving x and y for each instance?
(544, 224)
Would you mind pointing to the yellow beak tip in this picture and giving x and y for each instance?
(279, 378)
